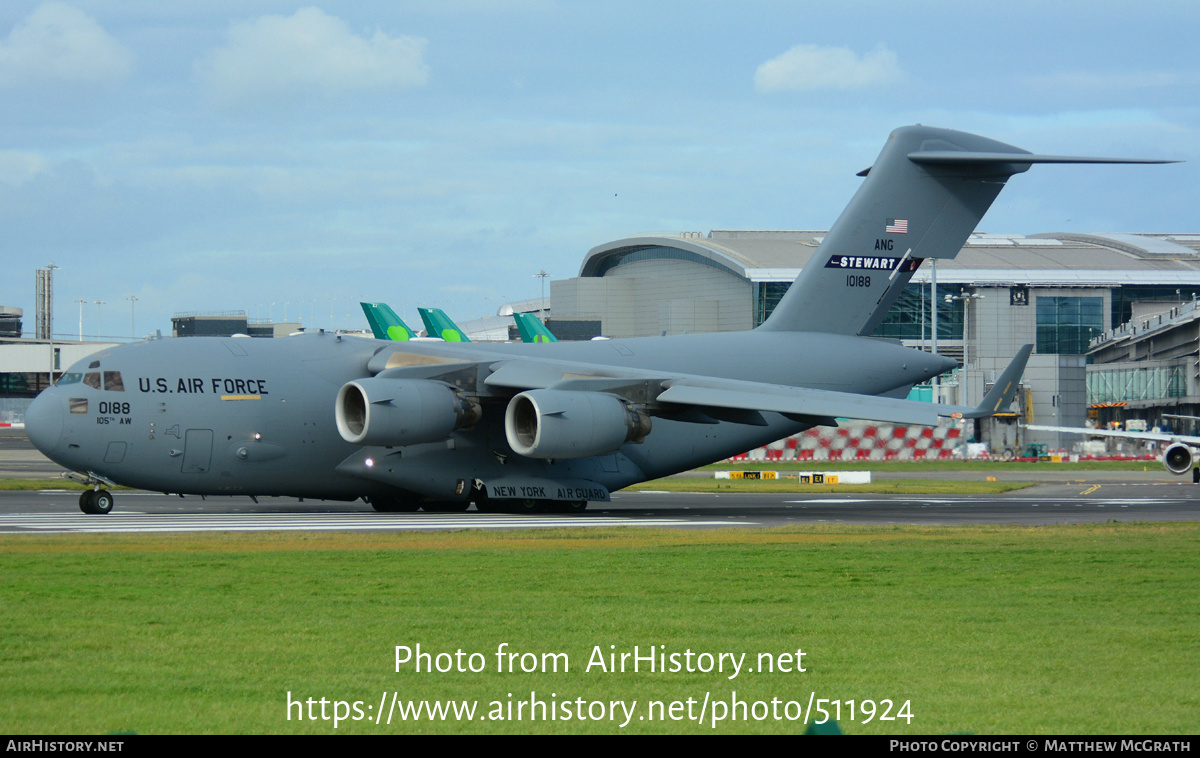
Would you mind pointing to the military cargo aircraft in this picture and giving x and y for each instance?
(529, 427)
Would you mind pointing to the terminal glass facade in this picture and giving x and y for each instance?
(910, 316)
(908, 319)
(1136, 384)
(1066, 324)
(1123, 299)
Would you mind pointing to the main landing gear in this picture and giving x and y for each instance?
(529, 505)
(400, 504)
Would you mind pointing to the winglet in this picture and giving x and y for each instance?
(1005, 388)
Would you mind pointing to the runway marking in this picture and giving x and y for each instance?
(917, 501)
(295, 522)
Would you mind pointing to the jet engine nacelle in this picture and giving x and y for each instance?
(395, 412)
(563, 424)
(1178, 458)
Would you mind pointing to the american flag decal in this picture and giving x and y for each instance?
(896, 226)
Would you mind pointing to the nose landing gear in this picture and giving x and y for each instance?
(96, 502)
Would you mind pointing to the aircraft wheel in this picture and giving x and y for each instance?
(566, 506)
(100, 501)
(527, 505)
(1196, 475)
(384, 504)
(85, 501)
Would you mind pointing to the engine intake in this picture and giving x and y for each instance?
(395, 412)
(563, 424)
(1178, 458)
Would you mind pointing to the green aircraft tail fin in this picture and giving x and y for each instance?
(531, 329)
(385, 324)
(438, 324)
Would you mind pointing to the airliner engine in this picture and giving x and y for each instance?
(562, 424)
(395, 412)
(1178, 458)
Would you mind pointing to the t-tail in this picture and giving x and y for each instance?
(921, 199)
(533, 330)
(385, 324)
(438, 324)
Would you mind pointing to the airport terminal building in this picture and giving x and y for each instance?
(1057, 291)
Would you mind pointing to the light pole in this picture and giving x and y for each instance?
(81, 301)
(541, 274)
(966, 299)
(132, 304)
(99, 331)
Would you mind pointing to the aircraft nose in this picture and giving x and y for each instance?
(44, 421)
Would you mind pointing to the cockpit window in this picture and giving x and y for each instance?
(72, 378)
(94, 364)
(78, 405)
(92, 379)
(113, 381)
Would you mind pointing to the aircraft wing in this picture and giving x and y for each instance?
(1150, 436)
(679, 392)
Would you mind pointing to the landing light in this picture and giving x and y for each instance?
(369, 462)
(257, 436)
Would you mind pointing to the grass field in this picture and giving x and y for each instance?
(1067, 630)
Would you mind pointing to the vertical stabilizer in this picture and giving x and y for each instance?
(385, 324)
(438, 324)
(533, 330)
(922, 199)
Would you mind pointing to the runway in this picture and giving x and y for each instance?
(49, 512)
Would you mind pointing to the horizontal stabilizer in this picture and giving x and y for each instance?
(921, 199)
(964, 157)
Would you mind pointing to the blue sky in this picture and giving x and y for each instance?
(221, 155)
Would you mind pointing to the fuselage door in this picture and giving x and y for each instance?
(197, 450)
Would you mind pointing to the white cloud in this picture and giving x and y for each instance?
(308, 52)
(17, 167)
(810, 67)
(59, 43)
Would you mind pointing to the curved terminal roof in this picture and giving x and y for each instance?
(1066, 259)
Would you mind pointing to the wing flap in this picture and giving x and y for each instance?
(801, 401)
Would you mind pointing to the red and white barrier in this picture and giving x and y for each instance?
(862, 441)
